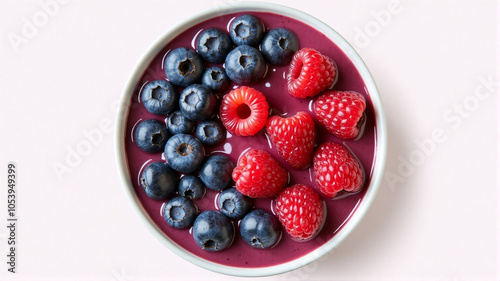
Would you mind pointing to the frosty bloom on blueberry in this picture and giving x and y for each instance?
(184, 153)
(180, 212)
(151, 136)
(279, 45)
(192, 187)
(215, 78)
(260, 229)
(158, 180)
(197, 102)
(210, 132)
(183, 67)
(213, 231)
(245, 65)
(159, 97)
(179, 124)
(213, 45)
(215, 173)
(233, 204)
(246, 30)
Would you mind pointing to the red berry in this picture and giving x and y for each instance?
(310, 73)
(259, 175)
(336, 170)
(340, 112)
(244, 111)
(293, 137)
(301, 211)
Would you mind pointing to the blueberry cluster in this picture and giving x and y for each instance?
(187, 100)
(245, 53)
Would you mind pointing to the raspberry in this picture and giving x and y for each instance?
(301, 211)
(310, 73)
(341, 112)
(259, 175)
(244, 111)
(293, 137)
(336, 170)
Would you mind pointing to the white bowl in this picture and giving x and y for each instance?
(380, 149)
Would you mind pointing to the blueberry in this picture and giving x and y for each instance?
(197, 102)
(192, 187)
(233, 204)
(159, 97)
(183, 67)
(216, 172)
(158, 180)
(184, 153)
(260, 229)
(151, 136)
(246, 30)
(279, 45)
(245, 65)
(215, 78)
(180, 212)
(213, 231)
(178, 124)
(213, 45)
(210, 132)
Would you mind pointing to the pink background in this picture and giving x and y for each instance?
(64, 64)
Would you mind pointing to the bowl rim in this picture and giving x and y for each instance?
(380, 140)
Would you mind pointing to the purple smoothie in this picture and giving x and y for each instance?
(273, 86)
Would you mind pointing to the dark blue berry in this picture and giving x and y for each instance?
(213, 231)
(197, 102)
(245, 65)
(158, 180)
(180, 212)
(184, 153)
(183, 67)
(260, 229)
(159, 97)
(216, 172)
(233, 204)
(213, 45)
(179, 124)
(192, 187)
(215, 78)
(151, 136)
(246, 30)
(210, 132)
(279, 45)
